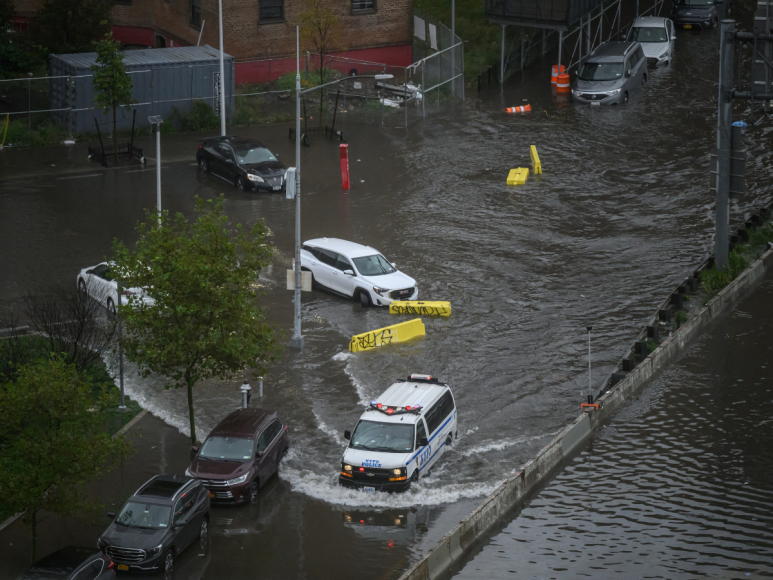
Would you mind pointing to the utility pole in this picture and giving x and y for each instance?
(724, 122)
(297, 340)
(222, 71)
(453, 45)
(122, 406)
(157, 121)
(590, 383)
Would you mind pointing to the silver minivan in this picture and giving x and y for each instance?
(656, 36)
(610, 74)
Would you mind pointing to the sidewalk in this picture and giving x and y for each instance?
(159, 449)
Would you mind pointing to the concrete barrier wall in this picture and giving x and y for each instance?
(463, 537)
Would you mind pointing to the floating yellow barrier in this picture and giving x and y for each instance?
(388, 335)
(420, 307)
(518, 176)
(535, 162)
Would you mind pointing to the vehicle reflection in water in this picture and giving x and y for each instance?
(250, 518)
(404, 526)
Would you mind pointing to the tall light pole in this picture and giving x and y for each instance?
(222, 71)
(297, 339)
(156, 120)
(453, 43)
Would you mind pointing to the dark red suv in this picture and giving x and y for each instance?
(240, 455)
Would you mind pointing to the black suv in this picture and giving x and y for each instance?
(158, 522)
(245, 163)
(699, 13)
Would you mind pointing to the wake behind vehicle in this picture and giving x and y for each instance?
(240, 455)
(156, 524)
(610, 74)
(400, 436)
(244, 163)
(701, 14)
(356, 271)
(656, 36)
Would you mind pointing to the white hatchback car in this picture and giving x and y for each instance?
(656, 36)
(97, 283)
(356, 271)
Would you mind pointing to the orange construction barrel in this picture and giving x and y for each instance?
(556, 72)
(562, 83)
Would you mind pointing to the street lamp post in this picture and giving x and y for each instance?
(156, 120)
(222, 71)
(297, 339)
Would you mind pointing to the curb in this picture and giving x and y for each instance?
(463, 537)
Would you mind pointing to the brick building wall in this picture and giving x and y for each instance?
(383, 35)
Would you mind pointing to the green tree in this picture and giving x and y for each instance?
(205, 321)
(52, 441)
(321, 28)
(72, 25)
(112, 84)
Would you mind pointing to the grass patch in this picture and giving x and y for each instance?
(680, 317)
(651, 345)
(713, 280)
(47, 132)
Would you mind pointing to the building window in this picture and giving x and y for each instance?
(271, 10)
(363, 5)
(196, 12)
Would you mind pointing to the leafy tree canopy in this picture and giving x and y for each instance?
(52, 440)
(66, 26)
(206, 321)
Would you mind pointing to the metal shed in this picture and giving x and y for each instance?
(553, 14)
(162, 79)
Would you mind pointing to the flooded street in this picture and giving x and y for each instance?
(621, 214)
(678, 485)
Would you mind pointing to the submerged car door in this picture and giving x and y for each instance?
(439, 424)
(266, 448)
(98, 286)
(340, 282)
(228, 162)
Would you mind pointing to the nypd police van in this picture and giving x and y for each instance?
(400, 436)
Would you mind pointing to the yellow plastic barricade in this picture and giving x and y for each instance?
(420, 307)
(388, 335)
(518, 176)
(535, 162)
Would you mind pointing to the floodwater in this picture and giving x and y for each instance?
(678, 485)
(621, 214)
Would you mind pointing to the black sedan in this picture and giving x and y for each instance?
(72, 563)
(247, 164)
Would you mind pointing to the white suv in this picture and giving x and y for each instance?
(356, 271)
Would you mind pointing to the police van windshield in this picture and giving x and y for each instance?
(387, 437)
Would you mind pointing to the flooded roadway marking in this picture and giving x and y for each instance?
(81, 176)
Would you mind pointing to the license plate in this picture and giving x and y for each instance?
(212, 495)
(277, 187)
(595, 104)
(369, 488)
(123, 567)
(687, 26)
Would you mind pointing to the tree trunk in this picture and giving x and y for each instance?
(189, 384)
(115, 140)
(34, 536)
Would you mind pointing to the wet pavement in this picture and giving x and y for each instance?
(678, 485)
(621, 214)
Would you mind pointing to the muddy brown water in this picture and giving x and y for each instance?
(678, 485)
(621, 214)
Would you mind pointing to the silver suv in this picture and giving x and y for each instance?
(610, 74)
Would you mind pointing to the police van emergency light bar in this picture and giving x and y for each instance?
(387, 410)
(414, 378)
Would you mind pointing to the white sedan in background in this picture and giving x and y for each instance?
(356, 271)
(97, 283)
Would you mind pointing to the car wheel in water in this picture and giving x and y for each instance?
(450, 440)
(240, 184)
(204, 165)
(110, 307)
(625, 97)
(169, 562)
(204, 529)
(82, 288)
(284, 454)
(644, 80)
(364, 299)
(254, 489)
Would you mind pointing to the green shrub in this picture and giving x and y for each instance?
(714, 280)
(651, 344)
(680, 317)
(201, 117)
